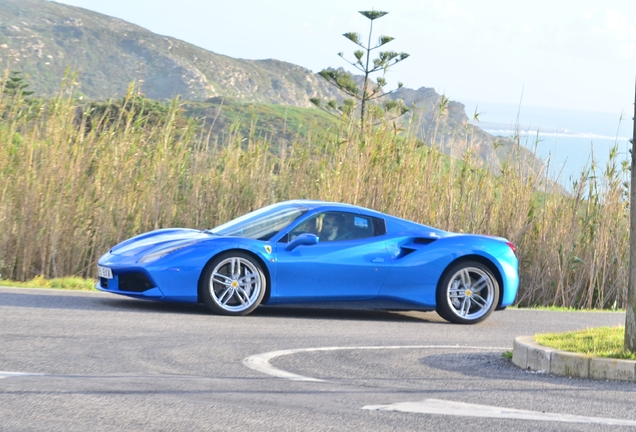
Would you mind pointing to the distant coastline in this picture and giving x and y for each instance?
(507, 132)
(568, 154)
(567, 140)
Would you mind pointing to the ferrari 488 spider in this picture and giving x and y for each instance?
(300, 252)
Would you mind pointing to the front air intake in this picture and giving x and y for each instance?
(134, 282)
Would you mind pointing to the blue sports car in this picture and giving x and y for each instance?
(317, 252)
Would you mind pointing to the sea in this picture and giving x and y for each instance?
(568, 141)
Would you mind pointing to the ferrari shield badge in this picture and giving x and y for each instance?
(268, 249)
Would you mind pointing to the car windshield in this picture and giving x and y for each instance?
(261, 224)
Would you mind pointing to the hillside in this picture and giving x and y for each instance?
(221, 117)
(44, 40)
(445, 124)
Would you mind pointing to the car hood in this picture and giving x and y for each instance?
(160, 239)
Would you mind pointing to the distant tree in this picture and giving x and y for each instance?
(15, 100)
(15, 86)
(370, 90)
(136, 108)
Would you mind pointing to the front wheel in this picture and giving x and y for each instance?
(467, 294)
(233, 283)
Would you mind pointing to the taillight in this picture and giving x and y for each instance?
(512, 246)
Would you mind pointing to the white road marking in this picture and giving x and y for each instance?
(15, 374)
(260, 362)
(451, 408)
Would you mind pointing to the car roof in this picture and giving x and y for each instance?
(394, 223)
(316, 204)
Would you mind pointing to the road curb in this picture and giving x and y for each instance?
(529, 355)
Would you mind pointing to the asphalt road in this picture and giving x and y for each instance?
(110, 363)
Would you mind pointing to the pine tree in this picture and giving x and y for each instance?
(15, 85)
(370, 90)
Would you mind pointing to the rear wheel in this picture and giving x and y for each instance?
(467, 294)
(233, 283)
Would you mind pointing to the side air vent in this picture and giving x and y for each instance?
(423, 240)
(404, 251)
(413, 245)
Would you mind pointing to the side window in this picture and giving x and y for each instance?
(367, 226)
(310, 226)
(338, 226)
(333, 227)
(379, 226)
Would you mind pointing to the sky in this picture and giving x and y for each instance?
(555, 54)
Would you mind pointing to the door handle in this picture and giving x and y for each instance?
(377, 260)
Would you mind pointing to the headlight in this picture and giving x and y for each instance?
(154, 256)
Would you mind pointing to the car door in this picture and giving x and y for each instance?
(353, 267)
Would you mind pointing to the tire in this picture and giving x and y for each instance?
(467, 293)
(233, 283)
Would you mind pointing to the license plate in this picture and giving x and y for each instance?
(104, 272)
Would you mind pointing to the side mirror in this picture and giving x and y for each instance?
(302, 240)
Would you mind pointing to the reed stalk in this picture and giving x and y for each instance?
(68, 193)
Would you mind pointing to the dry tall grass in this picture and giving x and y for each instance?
(67, 194)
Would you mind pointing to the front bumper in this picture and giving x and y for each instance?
(131, 282)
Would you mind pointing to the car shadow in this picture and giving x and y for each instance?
(137, 305)
(68, 300)
(341, 313)
(96, 302)
(283, 312)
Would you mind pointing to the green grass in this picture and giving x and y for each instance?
(599, 342)
(275, 122)
(564, 309)
(67, 283)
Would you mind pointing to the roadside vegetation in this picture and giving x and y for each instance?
(598, 342)
(222, 117)
(566, 309)
(73, 283)
(74, 183)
